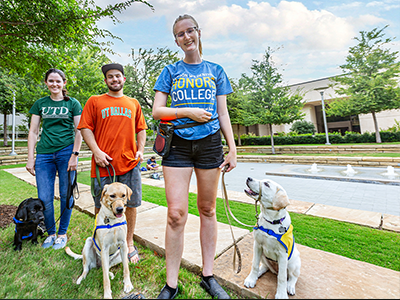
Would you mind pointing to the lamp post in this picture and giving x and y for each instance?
(13, 127)
(321, 91)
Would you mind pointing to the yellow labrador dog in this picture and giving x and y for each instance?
(274, 244)
(108, 247)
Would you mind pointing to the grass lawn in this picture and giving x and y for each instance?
(44, 273)
(380, 247)
(36, 273)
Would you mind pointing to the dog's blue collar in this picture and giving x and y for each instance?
(16, 221)
(20, 222)
(107, 226)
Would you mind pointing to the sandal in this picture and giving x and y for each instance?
(213, 288)
(133, 253)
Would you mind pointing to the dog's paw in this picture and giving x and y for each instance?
(250, 281)
(128, 287)
(281, 295)
(291, 289)
(107, 295)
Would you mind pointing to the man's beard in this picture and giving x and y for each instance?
(116, 88)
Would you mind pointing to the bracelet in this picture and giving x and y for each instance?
(176, 113)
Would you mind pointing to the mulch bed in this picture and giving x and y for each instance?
(7, 213)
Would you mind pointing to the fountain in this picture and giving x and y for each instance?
(314, 169)
(359, 174)
(390, 173)
(350, 171)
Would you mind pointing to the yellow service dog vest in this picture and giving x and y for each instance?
(286, 239)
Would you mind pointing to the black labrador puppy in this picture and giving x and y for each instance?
(29, 221)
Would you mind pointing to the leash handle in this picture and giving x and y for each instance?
(112, 179)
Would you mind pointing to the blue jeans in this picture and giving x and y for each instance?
(46, 166)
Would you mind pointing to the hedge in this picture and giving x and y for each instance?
(320, 138)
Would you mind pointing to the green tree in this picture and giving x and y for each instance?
(6, 100)
(33, 34)
(370, 83)
(234, 103)
(303, 127)
(143, 73)
(84, 79)
(269, 102)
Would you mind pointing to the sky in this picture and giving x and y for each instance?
(309, 39)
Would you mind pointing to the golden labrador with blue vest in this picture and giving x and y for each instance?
(274, 245)
(108, 247)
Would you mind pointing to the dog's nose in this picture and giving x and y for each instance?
(120, 209)
(249, 179)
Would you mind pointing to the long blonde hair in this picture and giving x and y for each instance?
(188, 17)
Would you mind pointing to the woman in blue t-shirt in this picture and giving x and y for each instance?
(56, 152)
(198, 90)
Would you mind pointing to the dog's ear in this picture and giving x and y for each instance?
(281, 200)
(22, 214)
(128, 192)
(105, 188)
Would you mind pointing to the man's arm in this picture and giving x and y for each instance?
(141, 141)
(101, 158)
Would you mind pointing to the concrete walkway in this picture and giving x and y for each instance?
(323, 274)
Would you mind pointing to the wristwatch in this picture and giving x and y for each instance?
(75, 152)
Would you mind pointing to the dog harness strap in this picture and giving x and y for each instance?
(286, 239)
(108, 226)
(16, 221)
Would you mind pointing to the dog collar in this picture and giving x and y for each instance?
(275, 221)
(16, 221)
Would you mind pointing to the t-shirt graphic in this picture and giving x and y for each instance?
(194, 85)
(58, 123)
(50, 112)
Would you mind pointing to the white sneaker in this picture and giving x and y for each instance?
(49, 241)
(60, 243)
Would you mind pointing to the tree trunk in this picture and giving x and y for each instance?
(239, 140)
(272, 139)
(5, 142)
(377, 134)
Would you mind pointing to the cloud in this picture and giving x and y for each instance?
(315, 41)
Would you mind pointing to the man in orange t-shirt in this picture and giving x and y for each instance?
(108, 124)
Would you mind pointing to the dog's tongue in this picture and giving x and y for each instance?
(119, 215)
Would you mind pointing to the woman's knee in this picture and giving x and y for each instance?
(176, 218)
(207, 210)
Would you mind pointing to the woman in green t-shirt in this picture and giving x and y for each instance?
(56, 152)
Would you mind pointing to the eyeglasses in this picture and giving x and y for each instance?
(189, 31)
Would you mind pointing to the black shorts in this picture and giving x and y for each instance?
(206, 153)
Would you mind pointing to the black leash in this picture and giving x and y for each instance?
(70, 193)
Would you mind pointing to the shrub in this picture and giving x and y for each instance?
(303, 127)
(320, 138)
